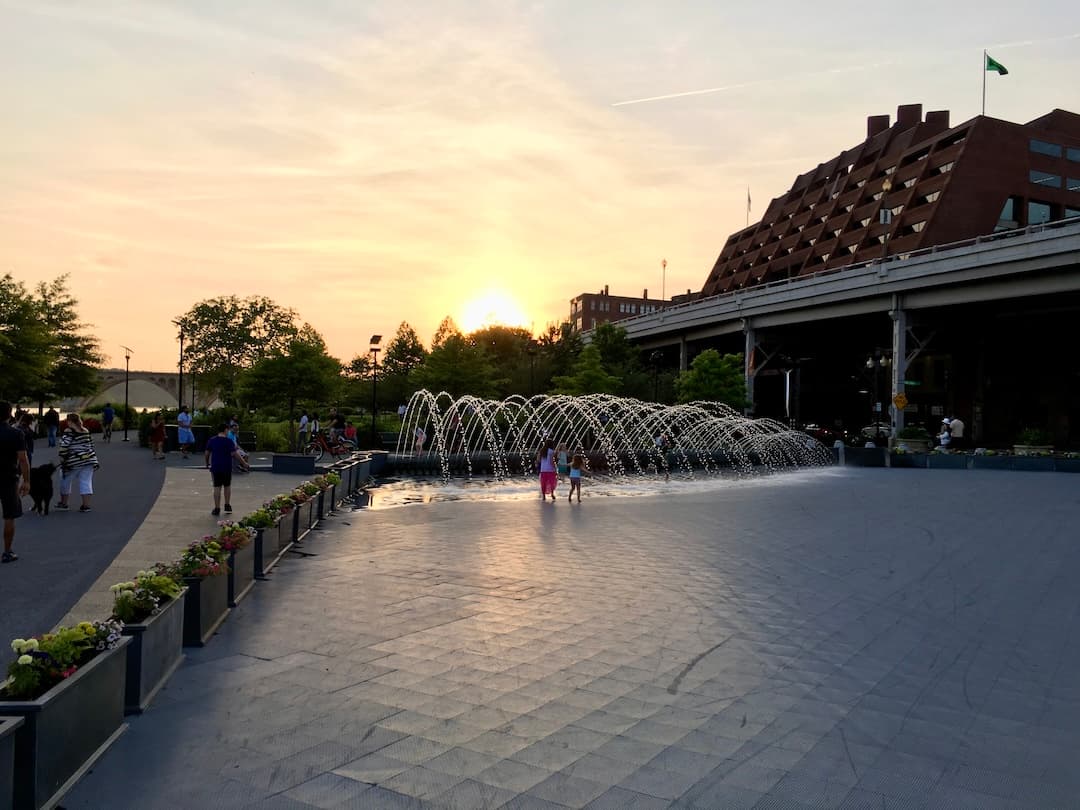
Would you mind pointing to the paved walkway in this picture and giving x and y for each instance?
(144, 511)
(843, 638)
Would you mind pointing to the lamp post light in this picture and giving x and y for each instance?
(875, 362)
(885, 216)
(127, 372)
(374, 348)
(180, 367)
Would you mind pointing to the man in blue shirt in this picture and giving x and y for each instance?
(107, 416)
(220, 451)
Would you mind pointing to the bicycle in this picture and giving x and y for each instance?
(106, 432)
(319, 445)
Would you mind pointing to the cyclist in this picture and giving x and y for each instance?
(107, 416)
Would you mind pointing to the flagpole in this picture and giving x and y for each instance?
(984, 72)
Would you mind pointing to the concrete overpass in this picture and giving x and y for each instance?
(1037, 262)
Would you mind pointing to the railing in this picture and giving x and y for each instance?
(875, 263)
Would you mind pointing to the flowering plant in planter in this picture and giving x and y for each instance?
(46, 660)
(138, 599)
(261, 518)
(299, 496)
(310, 488)
(321, 482)
(332, 479)
(204, 558)
(233, 536)
(281, 504)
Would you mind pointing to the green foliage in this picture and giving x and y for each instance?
(714, 378)
(45, 661)
(588, 377)
(44, 352)
(261, 518)
(507, 347)
(913, 432)
(1033, 437)
(301, 371)
(226, 335)
(273, 437)
(403, 353)
(458, 367)
(138, 599)
(204, 558)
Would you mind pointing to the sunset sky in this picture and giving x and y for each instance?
(372, 162)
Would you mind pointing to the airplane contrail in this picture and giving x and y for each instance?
(853, 69)
(758, 83)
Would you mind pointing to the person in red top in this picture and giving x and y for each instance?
(350, 431)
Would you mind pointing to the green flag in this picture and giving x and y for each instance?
(992, 64)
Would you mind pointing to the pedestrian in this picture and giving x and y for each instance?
(157, 435)
(219, 455)
(52, 425)
(313, 426)
(337, 426)
(350, 432)
(14, 478)
(548, 476)
(26, 425)
(234, 437)
(107, 417)
(577, 467)
(401, 409)
(420, 438)
(302, 432)
(945, 437)
(184, 437)
(563, 466)
(77, 462)
(956, 432)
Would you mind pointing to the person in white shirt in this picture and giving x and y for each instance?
(302, 432)
(956, 428)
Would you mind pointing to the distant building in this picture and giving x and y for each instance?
(589, 310)
(911, 185)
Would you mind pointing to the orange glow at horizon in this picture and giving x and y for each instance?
(492, 308)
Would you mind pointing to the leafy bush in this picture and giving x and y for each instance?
(261, 518)
(233, 536)
(1033, 436)
(92, 424)
(45, 661)
(914, 432)
(204, 558)
(273, 436)
(140, 598)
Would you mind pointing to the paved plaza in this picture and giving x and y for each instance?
(838, 638)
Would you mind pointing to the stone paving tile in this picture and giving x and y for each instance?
(758, 645)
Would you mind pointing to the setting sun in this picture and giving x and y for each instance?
(492, 308)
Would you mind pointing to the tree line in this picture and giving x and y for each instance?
(258, 354)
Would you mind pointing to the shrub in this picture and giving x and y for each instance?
(1033, 436)
(92, 424)
(48, 659)
(140, 598)
(233, 536)
(261, 518)
(914, 432)
(204, 558)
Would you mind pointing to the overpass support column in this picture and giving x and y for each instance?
(683, 364)
(749, 371)
(900, 361)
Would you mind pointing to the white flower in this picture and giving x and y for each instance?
(16, 644)
(31, 644)
(25, 659)
(114, 588)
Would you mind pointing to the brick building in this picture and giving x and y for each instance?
(912, 184)
(589, 310)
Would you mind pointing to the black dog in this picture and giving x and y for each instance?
(41, 487)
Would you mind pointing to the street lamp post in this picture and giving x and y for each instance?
(877, 361)
(375, 341)
(180, 368)
(885, 216)
(127, 372)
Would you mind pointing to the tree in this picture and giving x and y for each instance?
(712, 377)
(559, 347)
(227, 335)
(508, 349)
(74, 358)
(447, 328)
(588, 377)
(457, 366)
(404, 353)
(302, 372)
(25, 342)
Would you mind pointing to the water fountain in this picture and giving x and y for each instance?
(499, 439)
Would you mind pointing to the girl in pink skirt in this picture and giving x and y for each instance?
(548, 476)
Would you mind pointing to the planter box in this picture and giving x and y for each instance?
(1032, 449)
(156, 651)
(907, 460)
(1067, 465)
(302, 522)
(293, 464)
(205, 608)
(913, 445)
(1033, 463)
(991, 463)
(865, 456)
(947, 461)
(286, 531)
(320, 506)
(8, 725)
(241, 574)
(67, 729)
(265, 551)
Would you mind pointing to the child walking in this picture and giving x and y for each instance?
(563, 466)
(576, 467)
